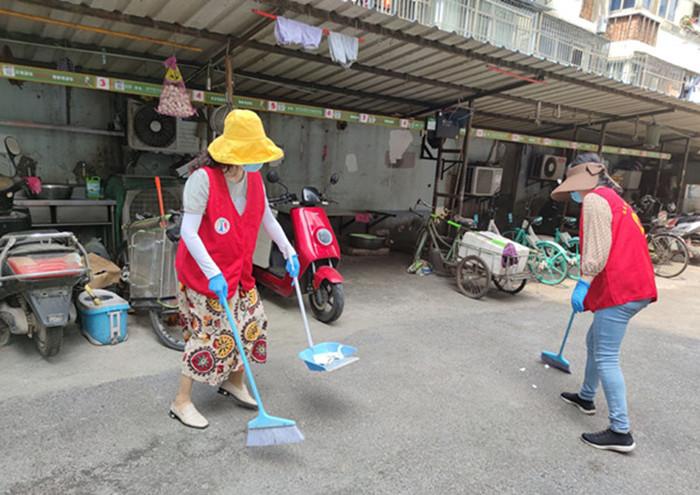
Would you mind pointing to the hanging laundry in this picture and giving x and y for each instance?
(691, 90)
(289, 32)
(344, 49)
(174, 100)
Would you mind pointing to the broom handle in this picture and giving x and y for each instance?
(244, 358)
(566, 334)
(295, 283)
(159, 190)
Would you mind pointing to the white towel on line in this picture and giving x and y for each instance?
(344, 49)
(289, 32)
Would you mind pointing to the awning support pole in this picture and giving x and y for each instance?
(681, 183)
(658, 172)
(465, 160)
(601, 142)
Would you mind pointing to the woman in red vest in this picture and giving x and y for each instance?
(225, 204)
(617, 281)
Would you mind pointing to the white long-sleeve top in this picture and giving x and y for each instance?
(195, 198)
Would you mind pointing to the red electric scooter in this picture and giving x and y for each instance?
(309, 230)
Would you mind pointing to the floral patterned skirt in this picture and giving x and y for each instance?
(210, 350)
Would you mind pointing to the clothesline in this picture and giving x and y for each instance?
(268, 15)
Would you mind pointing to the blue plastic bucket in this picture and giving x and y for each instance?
(104, 323)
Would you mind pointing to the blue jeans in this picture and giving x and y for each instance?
(603, 364)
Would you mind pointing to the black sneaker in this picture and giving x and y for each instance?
(610, 440)
(585, 406)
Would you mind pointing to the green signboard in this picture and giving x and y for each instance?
(125, 86)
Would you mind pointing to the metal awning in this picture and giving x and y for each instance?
(404, 69)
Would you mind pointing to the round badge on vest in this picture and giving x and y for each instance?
(222, 226)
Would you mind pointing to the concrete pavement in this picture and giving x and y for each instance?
(448, 397)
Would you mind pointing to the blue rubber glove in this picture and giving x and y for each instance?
(219, 286)
(579, 295)
(293, 266)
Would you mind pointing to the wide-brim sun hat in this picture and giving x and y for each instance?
(244, 141)
(583, 177)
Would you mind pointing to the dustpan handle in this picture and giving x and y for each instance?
(300, 299)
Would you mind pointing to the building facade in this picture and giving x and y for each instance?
(654, 44)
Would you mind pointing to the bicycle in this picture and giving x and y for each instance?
(669, 252)
(548, 261)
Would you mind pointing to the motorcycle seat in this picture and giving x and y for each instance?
(28, 265)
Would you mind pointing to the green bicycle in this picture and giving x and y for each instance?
(548, 261)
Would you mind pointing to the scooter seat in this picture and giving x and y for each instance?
(67, 264)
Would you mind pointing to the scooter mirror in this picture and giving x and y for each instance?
(272, 177)
(335, 178)
(12, 146)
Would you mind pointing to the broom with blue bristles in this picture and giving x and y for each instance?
(264, 429)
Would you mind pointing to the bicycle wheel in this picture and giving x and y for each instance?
(421, 245)
(572, 247)
(548, 263)
(473, 277)
(168, 327)
(669, 254)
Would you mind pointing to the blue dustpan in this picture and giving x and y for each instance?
(327, 356)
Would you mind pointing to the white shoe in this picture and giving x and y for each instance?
(189, 416)
(240, 395)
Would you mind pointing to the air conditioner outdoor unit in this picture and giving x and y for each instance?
(150, 131)
(485, 181)
(549, 167)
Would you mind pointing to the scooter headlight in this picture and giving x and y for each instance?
(324, 236)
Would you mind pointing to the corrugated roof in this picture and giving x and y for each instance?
(392, 76)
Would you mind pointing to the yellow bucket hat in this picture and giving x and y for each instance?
(244, 141)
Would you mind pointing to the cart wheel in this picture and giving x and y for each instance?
(509, 286)
(48, 341)
(473, 277)
(168, 326)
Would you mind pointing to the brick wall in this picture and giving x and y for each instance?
(633, 27)
(587, 10)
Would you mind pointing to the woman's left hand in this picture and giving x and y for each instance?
(579, 295)
(293, 266)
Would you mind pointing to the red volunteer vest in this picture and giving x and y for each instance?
(628, 275)
(228, 236)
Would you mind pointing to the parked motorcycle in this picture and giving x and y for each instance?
(39, 271)
(307, 226)
(688, 229)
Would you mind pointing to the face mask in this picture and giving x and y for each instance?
(576, 197)
(253, 167)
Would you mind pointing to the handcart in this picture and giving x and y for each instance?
(149, 274)
(485, 256)
(475, 258)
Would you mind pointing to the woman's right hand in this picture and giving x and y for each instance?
(218, 285)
